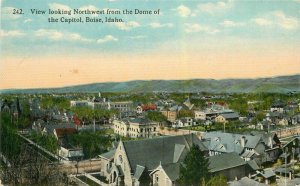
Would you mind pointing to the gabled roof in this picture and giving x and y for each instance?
(232, 142)
(152, 152)
(245, 181)
(232, 115)
(49, 128)
(253, 165)
(172, 170)
(109, 155)
(138, 172)
(225, 161)
(267, 173)
(64, 131)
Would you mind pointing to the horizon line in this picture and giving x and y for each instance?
(74, 85)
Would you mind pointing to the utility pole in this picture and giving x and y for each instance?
(285, 165)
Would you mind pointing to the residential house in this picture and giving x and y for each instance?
(58, 130)
(259, 147)
(69, 152)
(79, 103)
(210, 113)
(278, 106)
(226, 117)
(183, 122)
(267, 176)
(291, 149)
(172, 112)
(245, 181)
(231, 165)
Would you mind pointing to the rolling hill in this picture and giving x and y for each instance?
(280, 84)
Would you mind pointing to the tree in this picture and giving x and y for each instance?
(156, 116)
(194, 170)
(217, 181)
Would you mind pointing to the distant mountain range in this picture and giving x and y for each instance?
(281, 84)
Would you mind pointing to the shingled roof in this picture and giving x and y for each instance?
(225, 161)
(165, 150)
(232, 142)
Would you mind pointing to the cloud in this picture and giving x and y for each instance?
(56, 6)
(27, 21)
(12, 33)
(138, 37)
(159, 25)
(127, 25)
(285, 21)
(228, 23)
(7, 13)
(262, 22)
(107, 38)
(57, 35)
(277, 18)
(184, 11)
(192, 28)
(213, 7)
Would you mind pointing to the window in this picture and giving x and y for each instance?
(120, 159)
(156, 178)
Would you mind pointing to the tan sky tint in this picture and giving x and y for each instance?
(63, 71)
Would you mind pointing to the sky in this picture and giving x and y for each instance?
(186, 40)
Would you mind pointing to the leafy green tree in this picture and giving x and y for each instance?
(156, 116)
(217, 181)
(194, 170)
(185, 113)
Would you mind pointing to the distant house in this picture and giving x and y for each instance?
(61, 133)
(59, 130)
(210, 114)
(278, 106)
(245, 181)
(267, 176)
(139, 109)
(295, 119)
(148, 107)
(38, 125)
(291, 149)
(183, 122)
(172, 112)
(224, 118)
(79, 103)
(69, 152)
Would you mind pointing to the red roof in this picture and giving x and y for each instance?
(76, 120)
(149, 107)
(64, 131)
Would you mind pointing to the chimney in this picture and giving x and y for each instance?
(243, 141)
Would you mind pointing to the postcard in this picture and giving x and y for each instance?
(149, 92)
